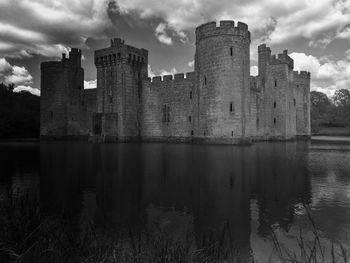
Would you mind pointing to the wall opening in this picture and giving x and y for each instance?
(190, 94)
(231, 51)
(257, 123)
(51, 115)
(192, 133)
(231, 133)
(274, 120)
(190, 118)
(274, 104)
(166, 113)
(205, 80)
(295, 102)
(275, 82)
(231, 107)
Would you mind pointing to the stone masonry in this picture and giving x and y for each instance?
(217, 103)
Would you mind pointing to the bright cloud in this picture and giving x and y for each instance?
(277, 21)
(48, 27)
(13, 74)
(162, 35)
(326, 75)
(28, 89)
(254, 71)
(91, 84)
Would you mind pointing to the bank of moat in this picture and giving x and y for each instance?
(217, 103)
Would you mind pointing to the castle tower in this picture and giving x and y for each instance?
(120, 70)
(222, 85)
(62, 86)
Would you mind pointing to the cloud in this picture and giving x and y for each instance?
(28, 89)
(161, 72)
(10, 74)
(48, 27)
(327, 75)
(253, 70)
(90, 84)
(161, 34)
(277, 22)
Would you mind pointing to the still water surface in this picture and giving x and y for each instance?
(196, 188)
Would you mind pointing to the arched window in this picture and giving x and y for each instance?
(231, 51)
(274, 104)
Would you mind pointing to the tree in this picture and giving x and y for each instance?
(341, 98)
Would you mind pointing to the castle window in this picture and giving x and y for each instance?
(189, 118)
(231, 107)
(190, 94)
(166, 113)
(257, 123)
(231, 51)
(119, 55)
(129, 57)
(275, 82)
(142, 60)
(110, 58)
(274, 104)
(274, 120)
(51, 115)
(192, 133)
(295, 102)
(110, 99)
(205, 80)
(232, 133)
(114, 57)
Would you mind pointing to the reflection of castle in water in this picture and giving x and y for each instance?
(200, 188)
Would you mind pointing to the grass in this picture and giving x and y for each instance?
(24, 237)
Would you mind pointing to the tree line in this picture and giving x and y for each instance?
(330, 111)
(19, 113)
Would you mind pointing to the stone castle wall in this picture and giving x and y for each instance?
(217, 103)
(168, 107)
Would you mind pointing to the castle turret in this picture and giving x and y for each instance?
(120, 71)
(62, 84)
(222, 66)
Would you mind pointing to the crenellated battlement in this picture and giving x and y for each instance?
(175, 78)
(282, 58)
(226, 27)
(302, 74)
(119, 52)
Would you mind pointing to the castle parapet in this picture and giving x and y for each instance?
(282, 58)
(302, 74)
(226, 27)
(119, 52)
(176, 77)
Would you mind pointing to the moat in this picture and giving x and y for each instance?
(180, 189)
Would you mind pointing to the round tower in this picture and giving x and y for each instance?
(222, 71)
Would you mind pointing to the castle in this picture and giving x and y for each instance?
(217, 103)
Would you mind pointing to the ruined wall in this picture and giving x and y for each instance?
(168, 107)
(120, 71)
(222, 85)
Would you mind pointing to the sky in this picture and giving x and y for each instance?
(315, 32)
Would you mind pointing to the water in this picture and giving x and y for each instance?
(183, 189)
